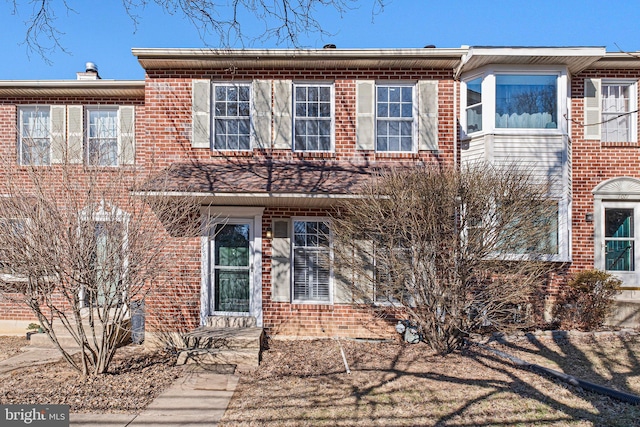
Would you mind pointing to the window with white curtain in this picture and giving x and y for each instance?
(102, 136)
(504, 100)
(311, 266)
(617, 102)
(526, 101)
(473, 106)
(35, 135)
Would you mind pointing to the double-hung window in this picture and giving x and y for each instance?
(395, 115)
(617, 118)
(35, 135)
(102, 136)
(474, 105)
(313, 117)
(311, 261)
(232, 116)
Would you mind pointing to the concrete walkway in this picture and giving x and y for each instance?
(197, 398)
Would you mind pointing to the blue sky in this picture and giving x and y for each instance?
(101, 32)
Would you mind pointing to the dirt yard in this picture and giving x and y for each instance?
(136, 377)
(304, 383)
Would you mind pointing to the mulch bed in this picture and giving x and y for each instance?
(135, 378)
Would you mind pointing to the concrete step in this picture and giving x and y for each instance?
(207, 337)
(231, 322)
(246, 357)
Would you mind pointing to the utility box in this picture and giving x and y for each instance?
(137, 321)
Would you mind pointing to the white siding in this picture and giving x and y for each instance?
(473, 151)
(545, 155)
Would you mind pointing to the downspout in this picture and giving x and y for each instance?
(455, 122)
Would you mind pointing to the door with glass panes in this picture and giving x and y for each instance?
(231, 263)
(620, 241)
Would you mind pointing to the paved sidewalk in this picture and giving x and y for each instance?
(29, 357)
(197, 398)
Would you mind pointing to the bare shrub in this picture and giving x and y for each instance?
(456, 250)
(79, 244)
(587, 300)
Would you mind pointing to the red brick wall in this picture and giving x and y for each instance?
(594, 162)
(168, 114)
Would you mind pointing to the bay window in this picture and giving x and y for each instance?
(506, 100)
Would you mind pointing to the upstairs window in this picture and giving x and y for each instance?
(35, 136)
(313, 117)
(232, 120)
(474, 105)
(617, 120)
(513, 101)
(394, 118)
(102, 137)
(526, 101)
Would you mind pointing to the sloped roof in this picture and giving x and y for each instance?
(250, 182)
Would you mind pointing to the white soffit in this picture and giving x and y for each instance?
(80, 88)
(151, 58)
(619, 60)
(575, 59)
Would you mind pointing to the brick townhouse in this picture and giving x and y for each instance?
(270, 140)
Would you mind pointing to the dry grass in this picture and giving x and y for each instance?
(304, 383)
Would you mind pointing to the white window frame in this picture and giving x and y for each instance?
(414, 118)
(633, 106)
(331, 119)
(214, 116)
(488, 89)
(472, 106)
(103, 212)
(292, 261)
(87, 132)
(34, 108)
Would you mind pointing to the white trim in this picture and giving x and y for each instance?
(488, 75)
(34, 107)
(633, 106)
(414, 119)
(331, 86)
(212, 215)
(87, 113)
(236, 84)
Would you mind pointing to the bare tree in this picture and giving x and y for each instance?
(78, 249)
(454, 251)
(282, 20)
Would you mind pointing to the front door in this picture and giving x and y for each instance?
(621, 221)
(231, 268)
